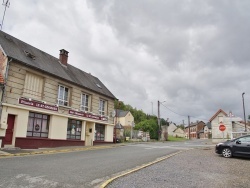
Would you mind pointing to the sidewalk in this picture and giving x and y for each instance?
(8, 152)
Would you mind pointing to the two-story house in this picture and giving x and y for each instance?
(194, 129)
(233, 124)
(126, 120)
(175, 131)
(206, 132)
(46, 102)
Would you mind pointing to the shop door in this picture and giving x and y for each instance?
(9, 130)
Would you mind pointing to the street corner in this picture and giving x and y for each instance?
(47, 151)
(4, 154)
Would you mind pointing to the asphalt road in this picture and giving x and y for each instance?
(83, 168)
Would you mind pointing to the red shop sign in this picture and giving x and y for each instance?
(37, 104)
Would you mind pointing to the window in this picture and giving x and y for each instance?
(102, 107)
(85, 102)
(33, 86)
(99, 132)
(245, 139)
(38, 125)
(98, 85)
(74, 129)
(220, 118)
(63, 95)
(30, 55)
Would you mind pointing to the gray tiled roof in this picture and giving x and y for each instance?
(14, 48)
(121, 113)
(208, 125)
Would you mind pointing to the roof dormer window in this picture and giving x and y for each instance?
(98, 85)
(30, 55)
(8, 38)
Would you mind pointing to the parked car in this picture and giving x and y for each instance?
(236, 147)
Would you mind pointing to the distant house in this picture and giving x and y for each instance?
(171, 128)
(125, 118)
(194, 129)
(206, 132)
(232, 123)
(175, 131)
(126, 121)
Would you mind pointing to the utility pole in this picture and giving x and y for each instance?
(159, 123)
(152, 109)
(189, 127)
(7, 5)
(244, 111)
(131, 130)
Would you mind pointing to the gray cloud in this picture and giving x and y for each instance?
(192, 54)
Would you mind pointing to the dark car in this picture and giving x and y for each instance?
(236, 147)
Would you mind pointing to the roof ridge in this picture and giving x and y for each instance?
(50, 64)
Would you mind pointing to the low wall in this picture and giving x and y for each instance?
(101, 143)
(35, 143)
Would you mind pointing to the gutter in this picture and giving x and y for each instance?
(110, 97)
(4, 85)
(5, 79)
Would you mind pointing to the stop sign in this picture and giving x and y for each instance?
(222, 127)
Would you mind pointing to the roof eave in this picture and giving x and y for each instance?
(60, 77)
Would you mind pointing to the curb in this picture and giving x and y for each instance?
(58, 151)
(103, 185)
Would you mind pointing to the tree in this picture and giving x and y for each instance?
(150, 126)
(181, 126)
(120, 105)
(144, 122)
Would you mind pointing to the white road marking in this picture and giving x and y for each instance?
(171, 147)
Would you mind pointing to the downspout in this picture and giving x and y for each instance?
(4, 85)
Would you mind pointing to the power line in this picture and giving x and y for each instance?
(181, 114)
(173, 111)
(6, 4)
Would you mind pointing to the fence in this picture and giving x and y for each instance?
(238, 134)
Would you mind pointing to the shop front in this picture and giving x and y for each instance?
(32, 125)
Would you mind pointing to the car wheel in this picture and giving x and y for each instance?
(226, 152)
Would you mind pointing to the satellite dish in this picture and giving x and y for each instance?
(113, 113)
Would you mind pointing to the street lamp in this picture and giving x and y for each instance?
(159, 120)
(244, 111)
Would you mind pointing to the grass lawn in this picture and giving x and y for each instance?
(173, 138)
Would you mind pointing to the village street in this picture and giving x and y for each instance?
(92, 168)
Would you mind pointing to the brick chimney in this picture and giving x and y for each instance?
(63, 57)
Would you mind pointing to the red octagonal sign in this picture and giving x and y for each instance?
(222, 127)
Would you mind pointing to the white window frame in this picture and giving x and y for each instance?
(62, 101)
(84, 102)
(102, 107)
(220, 119)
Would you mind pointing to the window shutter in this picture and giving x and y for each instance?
(33, 86)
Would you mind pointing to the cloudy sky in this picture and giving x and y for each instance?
(193, 56)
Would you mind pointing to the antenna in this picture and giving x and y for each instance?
(6, 4)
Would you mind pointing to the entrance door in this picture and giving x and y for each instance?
(89, 134)
(9, 130)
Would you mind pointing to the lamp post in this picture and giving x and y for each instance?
(159, 120)
(131, 130)
(159, 132)
(244, 111)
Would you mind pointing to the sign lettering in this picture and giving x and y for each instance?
(38, 104)
(87, 115)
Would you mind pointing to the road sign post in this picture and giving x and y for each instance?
(222, 129)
